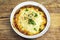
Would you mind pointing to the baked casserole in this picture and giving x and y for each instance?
(30, 20)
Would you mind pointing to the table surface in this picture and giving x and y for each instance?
(7, 33)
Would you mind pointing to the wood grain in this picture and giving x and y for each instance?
(7, 33)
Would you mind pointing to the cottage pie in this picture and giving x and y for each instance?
(30, 20)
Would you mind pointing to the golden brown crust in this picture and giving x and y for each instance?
(19, 26)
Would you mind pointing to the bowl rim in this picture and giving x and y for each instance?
(34, 4)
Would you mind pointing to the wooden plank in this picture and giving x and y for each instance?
(9, 35)
(15, 2)
(4, 15)
(6, 2)
(58, 1)
(5, 23)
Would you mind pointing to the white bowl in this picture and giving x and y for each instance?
(34, 4)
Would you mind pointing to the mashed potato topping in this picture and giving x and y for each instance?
(30, 20)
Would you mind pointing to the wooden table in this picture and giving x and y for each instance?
(7, 33)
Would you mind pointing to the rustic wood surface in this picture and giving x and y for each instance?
(7, 33)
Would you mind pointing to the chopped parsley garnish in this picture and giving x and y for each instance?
(35, 29)
(40, 30)
(35, 15)
(30, 21)
(26, 9)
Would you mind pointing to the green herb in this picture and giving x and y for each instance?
(35, 15)
(26, 9)
(40, 30)
(35, 29)
(30, 21)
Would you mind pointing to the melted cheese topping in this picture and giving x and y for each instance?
(30, 21)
